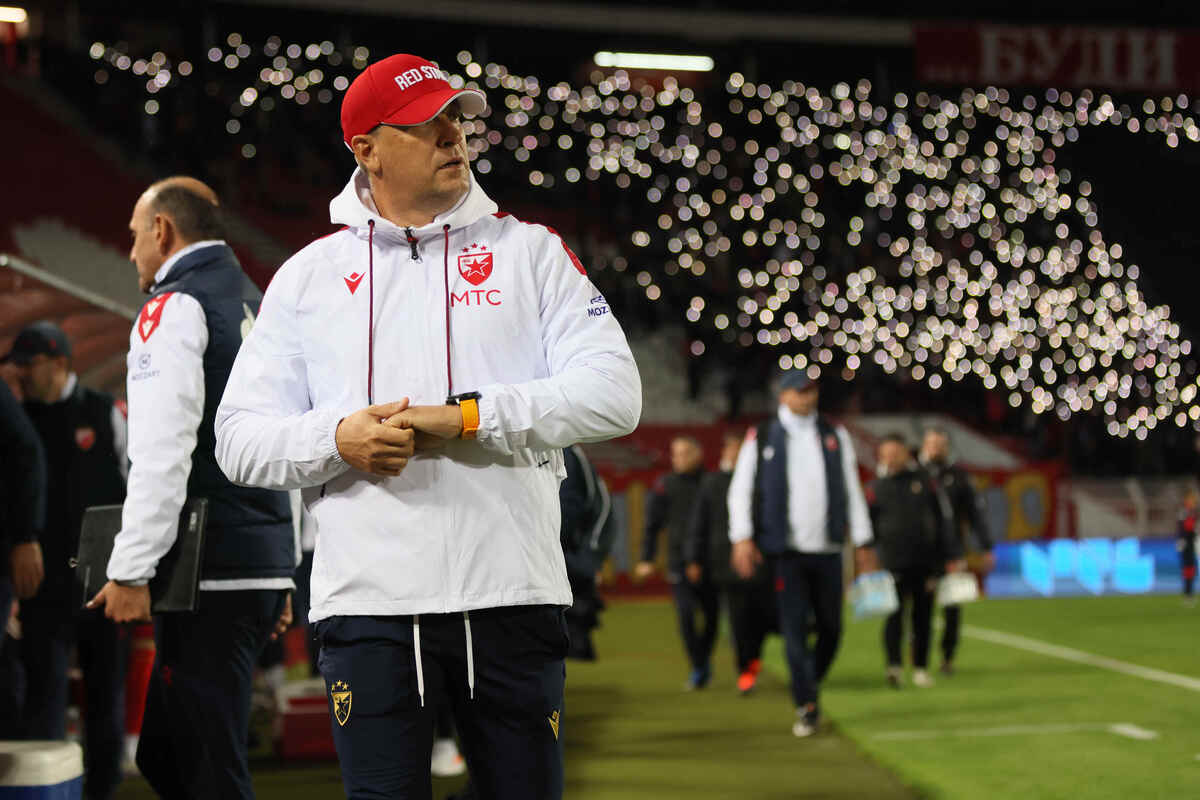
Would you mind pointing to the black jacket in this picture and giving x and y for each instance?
(670, 506)
(22, 476)
(587, 522)
(965, 505)
(82, 469)
(707, 540)
(911, 519)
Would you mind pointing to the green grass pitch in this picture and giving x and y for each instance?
(1025, 725)
(1010, 724)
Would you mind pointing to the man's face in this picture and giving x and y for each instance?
(685, 455)
(41, 379)
(730, 449)
(145, 252)
(935, 446)
(801, 401)
(893, 456)
(427, 161)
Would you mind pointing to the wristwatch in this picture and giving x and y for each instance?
(468, 403)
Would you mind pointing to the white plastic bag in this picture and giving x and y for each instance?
(957, 588)
(874, 595)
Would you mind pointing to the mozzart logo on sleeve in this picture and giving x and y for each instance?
(597, 306)
(144, 372)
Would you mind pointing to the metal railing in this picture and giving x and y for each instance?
(63, 285)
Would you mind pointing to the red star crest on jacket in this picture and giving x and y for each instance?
(85, 438)
(475, 264)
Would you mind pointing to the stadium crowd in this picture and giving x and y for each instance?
(272, 154)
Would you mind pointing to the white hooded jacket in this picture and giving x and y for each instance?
(474, 301)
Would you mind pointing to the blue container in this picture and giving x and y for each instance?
(41, 771)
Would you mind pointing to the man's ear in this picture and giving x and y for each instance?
(365, 152)
(164, 233)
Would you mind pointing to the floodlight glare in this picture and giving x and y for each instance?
(13, 14)
(654, 61)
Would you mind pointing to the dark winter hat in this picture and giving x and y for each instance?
(38, 338)
(797, 379)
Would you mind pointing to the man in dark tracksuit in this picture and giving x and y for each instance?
(182, 347)
(586, 538)
(83, 433)
(750, 603)
(911, 520)
(670, 506)
(22, 517)
(967, 521)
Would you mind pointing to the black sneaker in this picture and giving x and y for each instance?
(698, 678)
(947, 668)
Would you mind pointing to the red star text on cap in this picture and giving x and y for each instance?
(402, 90)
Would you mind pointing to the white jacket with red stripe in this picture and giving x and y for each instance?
(474, 301)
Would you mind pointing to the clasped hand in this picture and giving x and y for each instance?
(380, 439)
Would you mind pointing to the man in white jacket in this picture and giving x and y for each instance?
(482, 345)
(181, 350)
(795, 497)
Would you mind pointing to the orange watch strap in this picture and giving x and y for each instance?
(470, 418)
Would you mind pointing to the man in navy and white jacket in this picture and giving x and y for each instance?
(795, 497)
(181, 348)
(482, 344)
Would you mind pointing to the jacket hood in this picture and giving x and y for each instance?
(354, 207)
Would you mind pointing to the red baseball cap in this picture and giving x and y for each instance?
(402, 90)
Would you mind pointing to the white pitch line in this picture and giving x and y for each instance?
(1008, 730)
(1081, 657)
(1125, 729)
(1133, 731)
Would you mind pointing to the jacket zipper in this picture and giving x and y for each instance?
(412, 242)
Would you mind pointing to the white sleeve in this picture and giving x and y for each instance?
(165, 392)
(268, 434)
(740, 501)
(121, 440)
(296, 503)
(594, 391)
(860, 517)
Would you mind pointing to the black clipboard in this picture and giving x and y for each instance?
(176, 582)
